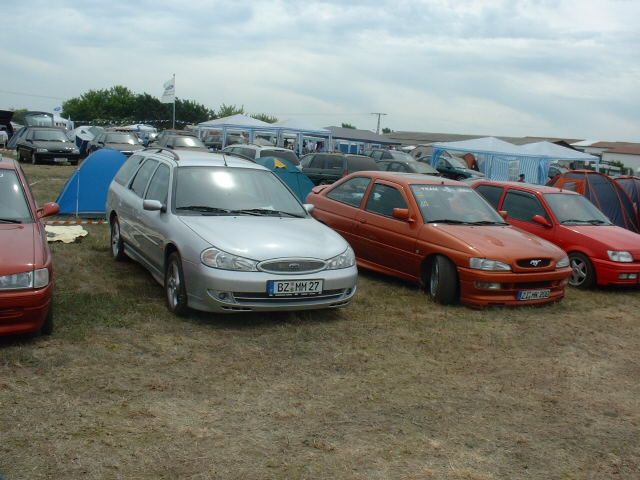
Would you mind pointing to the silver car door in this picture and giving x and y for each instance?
(134, 200)
(154, 223)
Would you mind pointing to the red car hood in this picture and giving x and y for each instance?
(609, 236)
(17, 251)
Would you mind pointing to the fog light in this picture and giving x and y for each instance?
(564, 282)
(628, 276)
(488, 285)
(226, 297)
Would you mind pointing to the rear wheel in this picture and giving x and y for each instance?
(174, 286)
(443, 281)
(117, 245)
(20, 157)
(583, 275)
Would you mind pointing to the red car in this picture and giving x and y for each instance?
(600, 252)
(443, 235)
(26, 274)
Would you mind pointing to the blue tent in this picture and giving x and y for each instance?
(297, 181)
(85, 193)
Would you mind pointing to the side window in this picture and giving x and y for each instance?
(384, 166)
(395, 167)
(386, 155)
(306, 161)
(317, 162)
(491, 194)
(142, 177)
(351, 192)
(377, 155)
(384, 199)
(334, 163)
(128, 168)
(523, 206)
(159, 185)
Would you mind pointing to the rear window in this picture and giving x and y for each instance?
(491, 193)
(283, 154)
(358, 162)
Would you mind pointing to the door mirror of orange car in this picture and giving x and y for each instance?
(48, 209)
(152, 205)
(540, 220)
(503, 213)
(401, 214)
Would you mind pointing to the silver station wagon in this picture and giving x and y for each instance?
(223, 234)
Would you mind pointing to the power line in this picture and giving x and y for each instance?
(30, 95)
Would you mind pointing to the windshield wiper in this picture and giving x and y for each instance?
(204, 209)
(266, 211)
(575, 220)
(450, 221)
(595, 221)
(9, 220)
(488, 222)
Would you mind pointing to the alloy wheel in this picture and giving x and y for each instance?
(578, 272)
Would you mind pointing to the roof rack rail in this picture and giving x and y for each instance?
(163, 149)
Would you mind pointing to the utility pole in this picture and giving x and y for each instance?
(379, 115)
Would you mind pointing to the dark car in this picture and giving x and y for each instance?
(407, 166)
(324, 168)
(160, 138)
(456, 168)
(46, 144)
(181, 142)
(125, 142)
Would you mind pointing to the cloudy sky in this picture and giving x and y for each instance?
(503, 67)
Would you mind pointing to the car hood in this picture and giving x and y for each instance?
(505, 243)
(126, 147)
(263, 238)
(67, 146)
(18, 247)
(610, 237)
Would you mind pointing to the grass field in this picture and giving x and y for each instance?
(392, 387)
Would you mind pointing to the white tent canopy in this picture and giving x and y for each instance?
(234, 121)
(298, 125)
(490, 145)
(556, 152)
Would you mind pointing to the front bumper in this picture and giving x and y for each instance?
(50, 157)
(24, 311)
(608, 272)
(247, 291)
(511, 283)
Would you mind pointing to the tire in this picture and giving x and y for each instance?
(583, 275)
(117, 245)
(174, 286)
(442, 284)
(47, 327)
(19, 156)
(34, 160)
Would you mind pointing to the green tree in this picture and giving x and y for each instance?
(348, 125)
(264, 117)
(18, 115)
(386, 130)
(228, 110)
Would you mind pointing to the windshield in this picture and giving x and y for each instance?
(121, 138)
(13, 204)
(422, 167)
(453, 204)
(230, 191)
(49, 136)
(575, 209)
(405, 157)
(187, 142)
(283, 154)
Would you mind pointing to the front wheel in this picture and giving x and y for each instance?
(582, 274)
(174, 286)
(443, 281)
(34, 160)
(117, 245)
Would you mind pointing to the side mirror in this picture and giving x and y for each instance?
(540, 220)
(48, 209)
(401, 214)
(152, 205)
(28, 140)
(309, 207)
(503, 213)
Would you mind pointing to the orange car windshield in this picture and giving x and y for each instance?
(454, 205)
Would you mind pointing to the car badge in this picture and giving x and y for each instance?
(535, 263)
(294, 266)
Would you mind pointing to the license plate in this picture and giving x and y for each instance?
(59, 160)
(293, 288)
(533, 294)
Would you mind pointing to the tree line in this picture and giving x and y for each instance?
(118, 105)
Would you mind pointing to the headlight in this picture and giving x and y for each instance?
(487, 264)
(40, 278)
(564, 262)
(345, 260)
(16, 281)
(619, 256)
(75, 150)
(41, 150)
(212, 257)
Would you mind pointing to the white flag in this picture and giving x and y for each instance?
(169, 95)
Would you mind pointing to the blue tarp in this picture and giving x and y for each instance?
(297, 181)
(85, 193)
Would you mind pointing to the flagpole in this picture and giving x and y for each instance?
(174, 102)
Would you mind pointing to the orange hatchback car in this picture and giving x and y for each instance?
(442, 234)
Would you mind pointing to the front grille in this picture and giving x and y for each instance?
(293, 265)
(534, 262)
(253, 297)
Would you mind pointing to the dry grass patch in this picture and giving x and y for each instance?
(391, 387)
